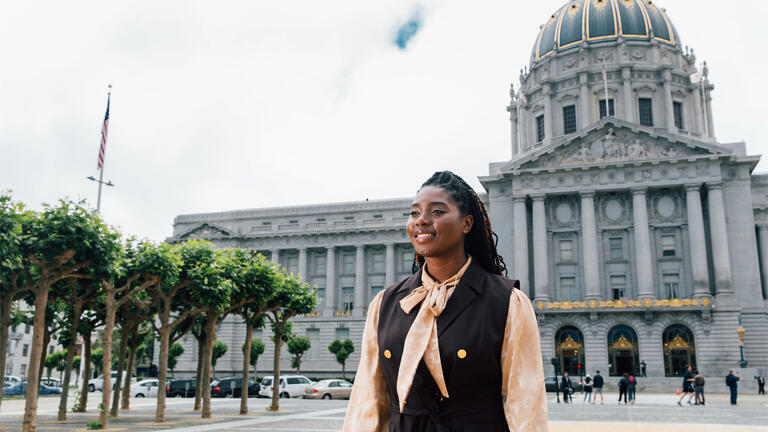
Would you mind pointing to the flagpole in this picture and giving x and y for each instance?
(102, 157)
(605, 84)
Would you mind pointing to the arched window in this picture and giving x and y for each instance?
(569, 348)
(679, 349)
(623, 353)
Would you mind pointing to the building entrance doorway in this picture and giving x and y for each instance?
(623, 352)
(679, 350)
(569, 348)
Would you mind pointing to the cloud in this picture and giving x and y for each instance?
(408, 30)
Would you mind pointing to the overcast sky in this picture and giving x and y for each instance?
(229, 105)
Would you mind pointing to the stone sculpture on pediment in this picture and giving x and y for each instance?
(205, 231)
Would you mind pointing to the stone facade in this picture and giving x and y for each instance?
(637, 234)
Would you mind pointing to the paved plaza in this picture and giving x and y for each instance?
(653, 412)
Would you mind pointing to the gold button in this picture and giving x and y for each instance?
(461, 353)
(387, 354)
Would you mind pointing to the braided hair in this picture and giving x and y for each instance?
(481, 241)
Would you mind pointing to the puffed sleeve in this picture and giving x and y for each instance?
(525, 401)
(369, 403)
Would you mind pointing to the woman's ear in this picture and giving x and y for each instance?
(468, 223)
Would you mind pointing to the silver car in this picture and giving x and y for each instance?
(328, 389)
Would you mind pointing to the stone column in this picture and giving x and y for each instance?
(357, 308)
(584, 99)
(763, 239)
(626, 87)
(389, 276)
(540, 253)
(330, 281)
(520, 227)
(644, 269)
(697, 241)
(514, 115)
(303, 264)
(670, 114)
(275, 256)
(589, 246)
(547, 91)
(708, 103)
(721, 255)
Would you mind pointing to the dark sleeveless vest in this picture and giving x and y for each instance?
(470, 332)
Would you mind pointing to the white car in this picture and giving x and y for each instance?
(290, 385)
(11, 379)
(98, 383)
(145, 388)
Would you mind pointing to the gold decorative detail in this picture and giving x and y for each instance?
(574, 9)
(592, 304)
(570, 344)
(623, 343)
(647, 302)
(540, 305)
(551, 20)
(676, 302)
(599, 4)
(629, 4)
(705, 301)
(461, 353)
(650, 5)
(387, 354)
(678, 343)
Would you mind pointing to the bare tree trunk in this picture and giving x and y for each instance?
(199, 377)
(276, 367)
(33, 376)
(106, 369)
(246, 369)
(121, 363)
(165, 340)
(77, 309)
(125, 402)
(46, 342)
(85, 364)
(6, 303)
(210, 336)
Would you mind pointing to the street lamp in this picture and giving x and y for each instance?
(741, 331)
(556, 364)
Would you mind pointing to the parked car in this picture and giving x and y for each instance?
(181, 388)
(12, 379)
(20, 389)
(145, 388)
(549, 383)
(51, 382)
(328, 389)
(233, 387)
(290, 385)
(98, 383)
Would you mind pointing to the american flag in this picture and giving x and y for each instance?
(104, 128)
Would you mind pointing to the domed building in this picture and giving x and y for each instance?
(638, 236)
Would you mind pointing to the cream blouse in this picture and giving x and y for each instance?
(522, 386)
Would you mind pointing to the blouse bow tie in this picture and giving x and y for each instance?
(421, 340)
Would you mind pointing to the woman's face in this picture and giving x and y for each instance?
(437, 226)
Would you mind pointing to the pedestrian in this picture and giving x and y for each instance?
(587, 389)
(732, 382)
(687, 385)
(698, 388)
(597, 386)
(631, 388)
(567, 388)
(623, 384)
(480, 362)
(761, 384)
(642, 368)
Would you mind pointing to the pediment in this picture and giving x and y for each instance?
(205, 231)
(613, 144)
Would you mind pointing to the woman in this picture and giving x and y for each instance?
(587, 389)
(631, 388)
(454, 347)
(623, 384)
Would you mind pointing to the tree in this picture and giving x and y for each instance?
(257, 349)
(76, 365)
(295, 298)
(174, 352)
(137, 335)
(342, 350)
(56, 361)
(297, 346)
(88, 324)
(61, 242)
(219, 349)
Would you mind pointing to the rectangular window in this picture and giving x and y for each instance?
(27, 328)
(668, 245)
(378, 216)
(50, 350)
(320, 219)
(314, 340)
(292, 264)
(23, 370)
(406, 261)
(320, 298)
(616, 245)
(348, 260)
(266, 223)
(13, 328)
(24, 350)
(342, 333)
(610, 107)
(566, 250)
(347, 298)
(645, 110)
(672, 285)
(540, 128)
(618, 286)
(319, 265)
(375, 290)
(677, 109)
(349, 217)
(377, 262)
(568, 288)
(569, 119)
(293, 222)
